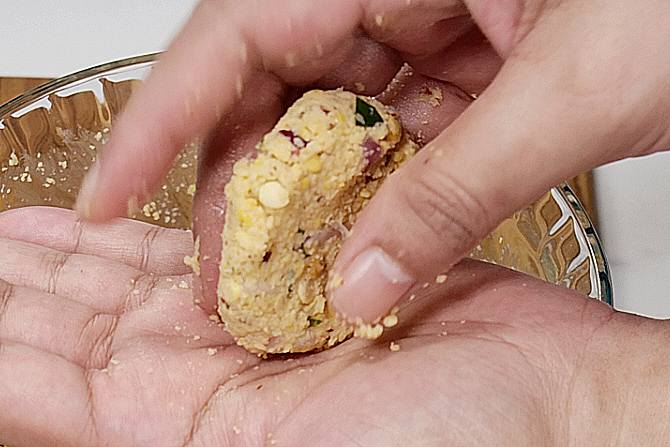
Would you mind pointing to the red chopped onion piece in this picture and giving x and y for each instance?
(372, 153)
(296, 140)
(288, 134)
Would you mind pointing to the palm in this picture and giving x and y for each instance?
(101, 344)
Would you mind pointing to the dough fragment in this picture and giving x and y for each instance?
(288, 211)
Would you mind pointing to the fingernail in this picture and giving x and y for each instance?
(86, 192)
(371, 285)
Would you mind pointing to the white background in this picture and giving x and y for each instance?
(49, 38)
(55, 37)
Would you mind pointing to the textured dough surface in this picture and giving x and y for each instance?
(287, 212)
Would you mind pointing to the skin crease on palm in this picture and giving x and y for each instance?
(102, 345)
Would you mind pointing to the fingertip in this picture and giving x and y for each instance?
(83, 205)
(113, 188)
(370, 286)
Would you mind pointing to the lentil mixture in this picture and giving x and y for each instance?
(288, 210)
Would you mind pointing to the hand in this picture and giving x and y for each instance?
(101, 345)
(583, 83)
(246, 76)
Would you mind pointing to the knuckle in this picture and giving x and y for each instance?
(53, 264)
(146, 245)
(77, 235)
(444, 206)
(96, 338)
(6, 292)
(143, 287)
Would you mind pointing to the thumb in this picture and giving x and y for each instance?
(541, 121)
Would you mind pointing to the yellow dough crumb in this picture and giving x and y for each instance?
(431, 95)
(194, 261)
(390, 320)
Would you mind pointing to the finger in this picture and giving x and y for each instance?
(95, 282)
(138, 245)
(174, 105)
(471, 63)
(416, 28)
(88, 336)
(149, 304)
(367, 68)
(56, 325)
(517, 140)
(45, 399)
(225, 42)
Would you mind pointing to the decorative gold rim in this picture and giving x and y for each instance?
(52, 86)
(603, 282)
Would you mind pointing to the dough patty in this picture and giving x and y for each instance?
(287, 212)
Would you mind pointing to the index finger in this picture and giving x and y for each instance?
(177, 103)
